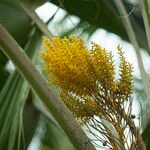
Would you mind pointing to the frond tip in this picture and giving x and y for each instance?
(88, 85)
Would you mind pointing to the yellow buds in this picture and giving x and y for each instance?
(86, 77)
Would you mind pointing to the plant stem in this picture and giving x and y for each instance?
(42, 89)
(146, 19)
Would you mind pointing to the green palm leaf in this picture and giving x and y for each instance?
(103, 14)
(12, 97)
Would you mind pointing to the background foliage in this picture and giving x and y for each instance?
(22, 117)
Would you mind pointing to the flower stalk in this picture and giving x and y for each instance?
(91, 92)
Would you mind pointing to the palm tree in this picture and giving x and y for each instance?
(28, 104)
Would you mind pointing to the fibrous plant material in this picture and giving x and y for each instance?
(91, 92)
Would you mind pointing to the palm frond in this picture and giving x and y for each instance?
(12, 97)
(103, 14)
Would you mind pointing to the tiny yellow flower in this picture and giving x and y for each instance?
(86, 77)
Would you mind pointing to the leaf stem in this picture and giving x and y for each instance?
(146, 19)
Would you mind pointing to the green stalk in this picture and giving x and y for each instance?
(146, 18)
(42, 89)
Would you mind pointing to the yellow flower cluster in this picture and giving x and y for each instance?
(103, 66)
(81, 108)
(86, 77)
(66, 61)
(125, 83)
